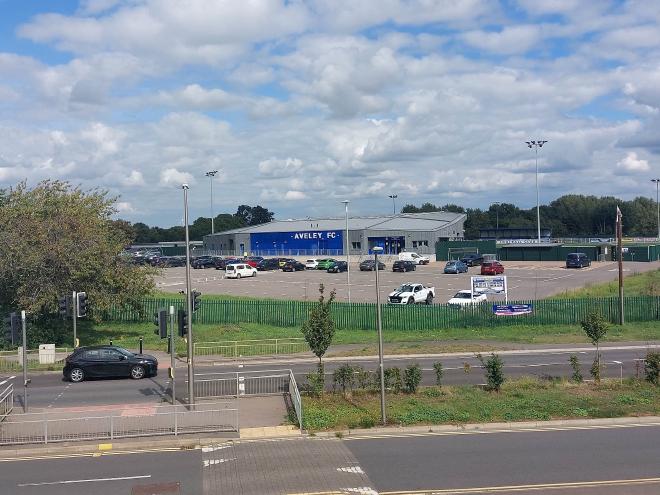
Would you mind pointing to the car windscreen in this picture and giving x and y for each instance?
(573, 256)
(405, 288)
(462, 295)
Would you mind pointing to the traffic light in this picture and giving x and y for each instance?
(13, 328)
(195, 302)
(160, 320)
(182, 322)
(64, 306)
(82, 304)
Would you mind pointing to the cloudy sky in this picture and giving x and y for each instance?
(301, 104)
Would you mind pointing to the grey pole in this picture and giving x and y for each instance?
(191, 368)
(172, 353)
(25, 377)
(657, 203)
(393, 196)
(379, 323)
(75, 318)
(348, 251)
(497, 220)
(211, 175)
(536, 145)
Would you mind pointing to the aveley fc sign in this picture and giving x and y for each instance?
(321, 236)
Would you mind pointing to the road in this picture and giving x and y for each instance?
(49, 390)
(609, 460)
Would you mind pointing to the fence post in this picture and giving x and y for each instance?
(276, 347)
(45, 431)
(176, 422)
(112, 427)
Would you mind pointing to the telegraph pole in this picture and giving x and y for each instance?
(619, 257)
(26, 381)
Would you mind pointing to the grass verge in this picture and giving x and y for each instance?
(638, 284)
(526, 399)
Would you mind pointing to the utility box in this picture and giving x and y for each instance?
(47, 354)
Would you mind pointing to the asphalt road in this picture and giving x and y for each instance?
(535, 280)
(49, 390)
(609, 460)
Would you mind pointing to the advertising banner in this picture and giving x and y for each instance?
(512, 309)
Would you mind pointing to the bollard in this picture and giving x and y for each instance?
(111, 342)
(140, 346)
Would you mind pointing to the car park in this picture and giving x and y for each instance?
(293, 266)
(107, 361)
(491, 268)
(240, 270)
(473, 259)
(325, 263)
(577, 260)
(403, 266)
(411, 293)
(455, 266)
(418, 259)
(311, 264)
(465, 298)
(268, 264)
(370, 265)
(338, 267)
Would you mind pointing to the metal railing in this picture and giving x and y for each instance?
(240, 348)
(6, 401)
(294, 393)
(12, 360)
(47, 428)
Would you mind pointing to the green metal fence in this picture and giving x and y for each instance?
(438, 316)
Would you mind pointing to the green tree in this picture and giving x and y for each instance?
(575, 366)
(494, 369)
(412, 377)
(319, 329)
(57, 238)
(595, 326)
(439, 372)
(652, 367)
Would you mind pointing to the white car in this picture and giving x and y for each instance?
(418, 259)
(311, 264)
(240, 270)
(412, 294)
(465, 298)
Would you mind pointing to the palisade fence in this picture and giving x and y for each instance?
(404, 318)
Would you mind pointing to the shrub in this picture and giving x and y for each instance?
(364, 379)
(316, 383)
(577, 372)
(494, 370)
(652, 367)
(437, 367)
(412, 377)
(392, 378)
(594, 371)
(595, 326)
(344, 378)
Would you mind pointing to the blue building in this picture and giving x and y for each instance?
(417, 232)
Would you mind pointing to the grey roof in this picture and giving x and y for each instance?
(402, 221)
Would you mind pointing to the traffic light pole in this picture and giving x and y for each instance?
(25, 377)
(191, 367)
(75, 319)
(172, 351)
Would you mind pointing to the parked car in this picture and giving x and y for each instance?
(107, 361)
(253, 261)
(203, 262)
(221, 263)
(170, 261)
(455, 266)
(370, 265)
(418, 259)
(465, 297)
(404, 266)
(338, 267)
(240, 270)
(268, 264)
(577, 260)
(311, 264)
(325, 263)
(293, 266)
(473, 259)
(491, 268)
(282, 261)
(412, 294)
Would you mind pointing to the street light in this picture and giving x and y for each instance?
(497, 220)
(657, 204)
(379, 324)
(210, 175)
(348, 250)
(393, 197)
(536, 145)
(191, 375)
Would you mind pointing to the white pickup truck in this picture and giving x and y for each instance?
(465, 298)
(412, 294)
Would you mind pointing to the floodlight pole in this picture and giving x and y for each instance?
(379, 324)
(191, 368)
(211, 175)
(393, 197)
(657, 203)
(536, 145)
(348, 252)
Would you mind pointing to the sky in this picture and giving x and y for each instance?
(302, 104)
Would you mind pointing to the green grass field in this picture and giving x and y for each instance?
(639, 284)
(527, 399)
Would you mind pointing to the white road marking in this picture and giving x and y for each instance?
(93, 480)
(212, 462)
(214, 448)
(351, 469)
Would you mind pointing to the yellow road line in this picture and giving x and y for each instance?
(73, 455)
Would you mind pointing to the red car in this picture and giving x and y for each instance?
(491, 268)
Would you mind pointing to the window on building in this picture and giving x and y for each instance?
(357, 245)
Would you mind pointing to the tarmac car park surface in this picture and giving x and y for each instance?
(526, 280)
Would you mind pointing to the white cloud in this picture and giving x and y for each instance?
(295, 195)
(124, 207)
(135, 178)
(515, 39)
(173, 177)
(631, 163)
(275, 167)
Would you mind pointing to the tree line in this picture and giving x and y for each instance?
(572, 215)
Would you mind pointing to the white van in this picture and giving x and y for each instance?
(414, 257)
(238, 270)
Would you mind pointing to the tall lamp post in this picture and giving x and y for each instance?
(657, 203)
(393, 198)
(497, 220)
(536, 145)
(348, 251)
(211, 175)
(379, 324)
(191, 369)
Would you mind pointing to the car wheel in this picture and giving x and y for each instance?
(254, 274)
(137, 372)
(238, 275)
(76, 375)
(411, 300)
(429, 299)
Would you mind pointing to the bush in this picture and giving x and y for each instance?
(594, 371)
(577, 372)
(392, 378)
(652, 367)
(437, 367)
(412, 377)
(494, 369)
(316, 383)
(344, 378)
(365, 379)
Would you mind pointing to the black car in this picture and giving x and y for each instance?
(293, 266)
(338, 267)
(203, 262)
(403, 266)
(577, 260)
(103, 361)
(370, 266)
(221, 263)
(268, 264)
(473, 259)
(170, 261)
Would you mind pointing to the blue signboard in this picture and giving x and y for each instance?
(512, 309)
(309, 241)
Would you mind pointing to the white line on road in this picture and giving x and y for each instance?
(93, 480)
